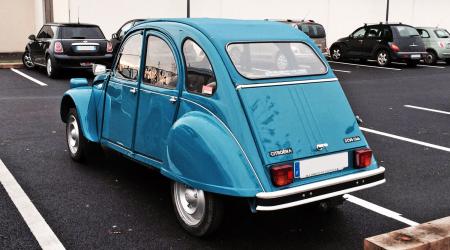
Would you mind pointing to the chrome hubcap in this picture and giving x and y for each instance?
(73, 135)
(190, 203)
(27, 60)
(382, 58)
(282, 62)
(49, 66)
(336, 54)
(429, 58)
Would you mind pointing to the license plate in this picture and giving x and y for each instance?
(86, 64)
(320, 165)
(86, 48)
(415, 56)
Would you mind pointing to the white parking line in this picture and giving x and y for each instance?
(427, 109)
(29, 77)
(367, 66)
(343, 71)
(425, 144)
(40, 229)
(421, 65)
(378, 209)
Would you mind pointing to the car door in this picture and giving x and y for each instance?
(122, 93)
(371, 40)
(158, 96)
(355, 43)
(42, 43)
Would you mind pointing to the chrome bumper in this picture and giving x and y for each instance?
(269, 201)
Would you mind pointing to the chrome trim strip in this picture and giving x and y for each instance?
(412, 53)
(258, 85)
(87, 44)
(318, 198)
(156, 93)
(320, 184)
(232, 135)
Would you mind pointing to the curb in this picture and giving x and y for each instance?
(11, 66)
(432, 235)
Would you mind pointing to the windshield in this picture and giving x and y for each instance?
(275, 59)
(406, 31)
(313, 30)
(81, 33)
(442, 33)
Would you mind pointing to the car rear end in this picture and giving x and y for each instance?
(80, 46)
(317, 33)
(407, 45)
(308, 138)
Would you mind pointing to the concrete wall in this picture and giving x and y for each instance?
(18, 19)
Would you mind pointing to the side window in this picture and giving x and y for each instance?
(387, 34)
(200, 76)
(160, 64)
(359, 33)
(130, 58)
(373, 32)
(424, 34)
(125, 28)
(45, 32)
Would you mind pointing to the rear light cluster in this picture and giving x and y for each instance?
(109, 47)
(395, 48)
(441, 44)
(58, 48)
(283, 175)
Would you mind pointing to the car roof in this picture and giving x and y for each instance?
(224, 31)
(430, 28)
(72, 24)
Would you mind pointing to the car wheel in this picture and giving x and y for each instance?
(383, 58)
(76, 143)
(26, 60)
(51, 69)
(200, 213)
(447, 61)
(336, 53)
(431, 58)
(412, 63)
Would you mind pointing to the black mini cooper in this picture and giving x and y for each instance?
(60, 46)
(382, 42)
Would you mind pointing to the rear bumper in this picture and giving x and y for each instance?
(405, 56)
(74, 62)
(269, 201)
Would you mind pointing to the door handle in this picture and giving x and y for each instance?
(173, 99)
(133, 91)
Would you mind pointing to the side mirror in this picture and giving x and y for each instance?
(98, 69)
(32, 37)
(78, 82)
(114, 36)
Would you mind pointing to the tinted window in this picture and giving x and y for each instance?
(160, 64)
(81, 33)
(424, 33)
(313, 30)
(359, 33)
(373, 32)
(125, 28)
(200, 76)
(275, 59)
(130, 58)
(387, 34)
(442, 33)
(406, 31)
(46, 32)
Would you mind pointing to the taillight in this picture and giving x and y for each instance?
(394, 47)
(58, 48)
(282, 175)
(363, 158)
(441, 44)
(109, 47)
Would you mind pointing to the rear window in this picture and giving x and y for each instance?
(313, 30)
(81, 33)
(275, 59)
(406, 31)
(442, 33)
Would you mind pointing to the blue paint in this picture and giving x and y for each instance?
(297, 169)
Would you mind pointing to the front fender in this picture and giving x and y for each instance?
(86, 105)
(202, 153)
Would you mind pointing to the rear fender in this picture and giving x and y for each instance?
(203, 153)
(83, 100)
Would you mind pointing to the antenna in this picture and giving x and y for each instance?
(69, 9)
(78, 14)
(306, 15)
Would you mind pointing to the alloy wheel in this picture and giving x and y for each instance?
(73, 135)
(190, 203)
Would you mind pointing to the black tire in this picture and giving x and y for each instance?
(27, 61)
(383, 58)
(431, 58)
(51, 68)
(447, 61)
(208, 220)
(330, 204)
(336, 53)
(412, 63)
(77, 145)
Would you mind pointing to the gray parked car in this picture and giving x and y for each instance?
(437, 43)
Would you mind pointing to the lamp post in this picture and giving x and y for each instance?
(188, 8)
(387, 11)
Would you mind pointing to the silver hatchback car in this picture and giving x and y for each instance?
(437, 43)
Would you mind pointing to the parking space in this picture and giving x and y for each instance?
(113, 203)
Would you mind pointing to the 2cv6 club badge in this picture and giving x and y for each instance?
(206, 101)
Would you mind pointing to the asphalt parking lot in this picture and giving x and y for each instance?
(117, 204)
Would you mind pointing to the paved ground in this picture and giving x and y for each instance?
(117, 204)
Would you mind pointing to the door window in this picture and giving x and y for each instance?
(160, 64)
(200, 76)
(373, 32)
(130, 58)
(424, 33)
(46, 32)
(359, 33)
